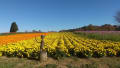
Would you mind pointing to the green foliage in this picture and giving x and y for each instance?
(3, 34)
(51, 66)
(14, 27)
(89, 66)
(93, 65)
(7, 65)
(114, 65)
(97, 36)
(70, 66)
(84, 54)
(58, 54)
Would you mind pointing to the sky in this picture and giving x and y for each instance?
(55, 15)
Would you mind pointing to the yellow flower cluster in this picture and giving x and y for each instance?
(66, 43)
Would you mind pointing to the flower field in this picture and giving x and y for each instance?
(18, 37)
(61, 44)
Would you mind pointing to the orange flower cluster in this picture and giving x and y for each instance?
(18, 37)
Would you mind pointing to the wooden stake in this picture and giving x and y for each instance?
(43, 54)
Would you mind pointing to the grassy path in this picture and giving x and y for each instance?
(72, 62)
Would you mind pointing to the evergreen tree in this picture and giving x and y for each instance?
(14, 27)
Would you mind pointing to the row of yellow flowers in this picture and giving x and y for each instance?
(62, 44)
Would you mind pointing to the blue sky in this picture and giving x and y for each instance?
(55, 15)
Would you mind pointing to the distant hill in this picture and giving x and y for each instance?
(90, 27)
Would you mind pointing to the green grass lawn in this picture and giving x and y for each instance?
(69, 62)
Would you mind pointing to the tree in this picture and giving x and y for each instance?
(14, 27)
(108, 27)
(39, 31)
(34, 31)
(117, 17)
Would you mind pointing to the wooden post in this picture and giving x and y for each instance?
(43, 53)
(42, 43)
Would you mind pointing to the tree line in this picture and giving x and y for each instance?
(90, 27)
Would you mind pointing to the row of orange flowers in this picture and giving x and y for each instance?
(18, 37)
